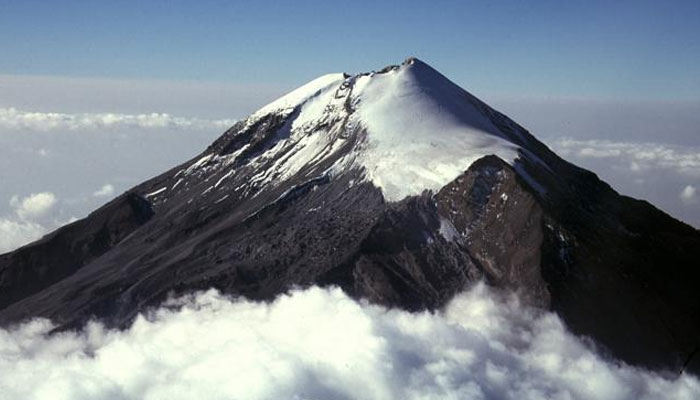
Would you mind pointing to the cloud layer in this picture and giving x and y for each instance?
(664, 174)
(634, 156)
(12, 118)
(319, 344)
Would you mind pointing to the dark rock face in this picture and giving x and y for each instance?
(614, 268)
(501, 222)
(68, 249)
(624, 273)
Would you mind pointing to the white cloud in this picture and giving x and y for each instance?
(689, 195)
(636, 157)
(33, 206)
(14, 233)
(32, 218)
(596, 152)
(645, 170)
(320, 344)
(12, 118)
(105, 191)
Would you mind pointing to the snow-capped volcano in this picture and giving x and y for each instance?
(407, 128)
(397, 186)
(414, 129)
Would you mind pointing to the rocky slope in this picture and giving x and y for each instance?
(397, 186)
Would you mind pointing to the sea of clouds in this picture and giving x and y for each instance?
(12, 118)
(320, 344)
(667, 175)
(636, 156)
(56, 167)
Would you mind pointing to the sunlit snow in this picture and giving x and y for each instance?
(418, 130)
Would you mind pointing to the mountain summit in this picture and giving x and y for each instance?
(410, 129)
(399, 187)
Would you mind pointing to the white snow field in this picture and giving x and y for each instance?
(417, 130)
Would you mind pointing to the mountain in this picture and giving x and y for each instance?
(399, 187)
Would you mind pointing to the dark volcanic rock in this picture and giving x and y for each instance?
(501, 222)
(63, 252)
(240, 219)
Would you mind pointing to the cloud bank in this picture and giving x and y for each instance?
(12, 118)
(320, 344)
(664, 174)
(637, 157)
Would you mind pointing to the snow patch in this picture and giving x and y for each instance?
(448, 231)
(299, 95)
(228, 174)
(199, 163)
(221, 199)
(157, 192)
(179, 181)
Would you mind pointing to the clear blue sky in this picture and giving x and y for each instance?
(591, 49)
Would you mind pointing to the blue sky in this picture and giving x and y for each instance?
(642, 50)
